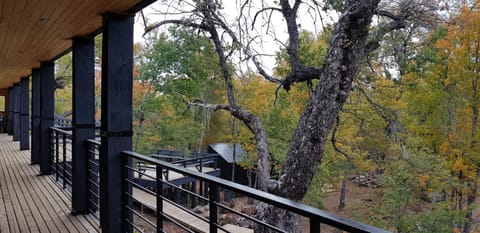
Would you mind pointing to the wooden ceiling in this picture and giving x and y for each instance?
(32, 31)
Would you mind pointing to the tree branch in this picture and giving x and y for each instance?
(262, 10)
(182, 22)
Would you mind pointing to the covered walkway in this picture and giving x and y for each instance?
(33, 203)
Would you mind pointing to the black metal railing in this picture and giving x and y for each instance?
(62, 122)
(93, 150)
(61, 156)
(158, 202)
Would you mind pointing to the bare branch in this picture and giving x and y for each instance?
(247, 51)
(263, 10)
(182, 22)
(333, 140)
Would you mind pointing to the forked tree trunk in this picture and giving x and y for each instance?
(345, 51)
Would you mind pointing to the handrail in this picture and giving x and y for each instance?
(63, 130)
(93, 176)
(315, 215)
(61, 156)
(95, 142)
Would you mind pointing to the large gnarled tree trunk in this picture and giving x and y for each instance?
(305, 154)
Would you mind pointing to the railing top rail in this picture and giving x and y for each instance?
(94, 141)
(66, 131)
(289, 205)
(196, 159)
(167, 156)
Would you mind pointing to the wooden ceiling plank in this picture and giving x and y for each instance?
(12, 33)
(6, 17)
(50, 34)
(24, 40)
(16, 47)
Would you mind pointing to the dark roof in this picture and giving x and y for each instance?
(226, 150)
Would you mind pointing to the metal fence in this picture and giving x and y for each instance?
(165, 209)
(61, 156)
(93, 150)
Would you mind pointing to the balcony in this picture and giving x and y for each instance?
(43, 203)
(32, 203)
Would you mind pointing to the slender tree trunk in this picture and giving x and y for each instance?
(472, 195)
(343, 191)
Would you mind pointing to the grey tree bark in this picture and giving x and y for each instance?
(345, 51)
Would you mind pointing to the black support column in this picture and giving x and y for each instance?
(16, 112)
(117, 77)
(10, 111)
(24, 114)
(35, 157)
(83, 119)
(47, 91)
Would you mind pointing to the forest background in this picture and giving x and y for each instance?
(411, 119)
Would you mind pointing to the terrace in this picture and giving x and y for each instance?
(64, 180)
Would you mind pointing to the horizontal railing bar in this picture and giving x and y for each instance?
(93, 182)
(93, 193)
(141, 187)
(93, 162)
(62, 131)
(139, 172)
(185, 209)
(185, 190)
(134, 226)
(249, 217)
(142, 217)
(95, 142)
(176, 222)
(93, 172)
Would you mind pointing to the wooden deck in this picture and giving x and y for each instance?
(32, 203)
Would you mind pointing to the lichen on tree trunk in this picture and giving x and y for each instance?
(345, 51)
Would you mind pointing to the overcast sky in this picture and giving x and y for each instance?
(266, 46)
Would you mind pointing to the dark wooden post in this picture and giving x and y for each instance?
(47, 91)
(24, 114)
(35, 156)
(117, 77)
(10, 111)
(83, 119)
(16, 112)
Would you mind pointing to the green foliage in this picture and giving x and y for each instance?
(313, 50)
(63, 73)
(176, 67)
(402, 206)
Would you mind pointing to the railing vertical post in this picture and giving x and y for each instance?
(47, 86)
(35, 116)
(213, 200)
(159, 188)
(117, 83)
(314, 225)
(83, 118)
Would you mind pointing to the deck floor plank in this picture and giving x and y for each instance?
(7, 197)
(32, 203)
(23, 212)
